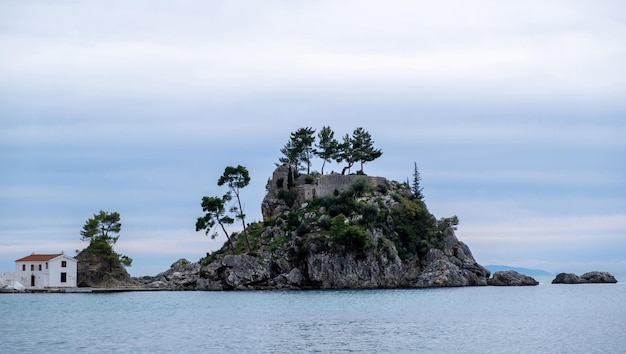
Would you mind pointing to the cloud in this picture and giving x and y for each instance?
(513, 112)
(556, 230)
(562, 50)
(555, 242)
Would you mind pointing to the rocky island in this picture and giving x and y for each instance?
(330, 232)
(321, 231)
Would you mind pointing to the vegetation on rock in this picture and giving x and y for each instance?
(102, 232)
(98, 264)
(328, 230)
(416, 187)
(355, 148)
(214, 208)
(351, 221)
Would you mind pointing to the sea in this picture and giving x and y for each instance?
(548, 318)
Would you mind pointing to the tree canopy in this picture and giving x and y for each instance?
(363, 147)
(358, 147)
(327, 147)
(416, 188)
(299, 149)
(102, 232)
(215, 212)
(236, 178)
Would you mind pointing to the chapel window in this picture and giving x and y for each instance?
(63, 264)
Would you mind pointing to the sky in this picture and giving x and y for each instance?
(515, 113)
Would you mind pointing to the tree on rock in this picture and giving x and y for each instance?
(363, 145)
(237, 178)
(299, 149)
(346, 154)
(327, 147)
(102, 232)
(416, 188)
(215, 213)
(357, 148)
(291, 155)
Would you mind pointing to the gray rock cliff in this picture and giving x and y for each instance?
(385, 240)
(93, 270)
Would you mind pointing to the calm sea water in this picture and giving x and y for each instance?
(542, 319)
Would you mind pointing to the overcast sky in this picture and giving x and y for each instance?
(515, 113)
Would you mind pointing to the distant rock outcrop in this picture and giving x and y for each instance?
(96, 271)
(511, 278)
(590, 277)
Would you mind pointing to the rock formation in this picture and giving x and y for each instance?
(511, 278)
(590, 277)
(96, 271)
(386, 239)
(326, 270)
(11, 286)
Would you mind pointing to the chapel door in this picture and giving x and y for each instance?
(32, 280)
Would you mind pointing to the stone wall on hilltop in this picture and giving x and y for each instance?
(308, 187)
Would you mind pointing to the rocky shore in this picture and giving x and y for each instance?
(452, 267)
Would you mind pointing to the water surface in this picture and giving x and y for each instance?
(548, 318)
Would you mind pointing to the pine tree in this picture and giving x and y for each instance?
(346, 153)
(327, 147)
(299, 150)
(363, 147)
(237, 178)
(416, 188)
(102, 231)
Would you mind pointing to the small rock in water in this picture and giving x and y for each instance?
(511, 278)
(589, 277)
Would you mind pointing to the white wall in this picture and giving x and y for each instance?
(7, 276)
(47, 277)
(24, 276)
(56, 269)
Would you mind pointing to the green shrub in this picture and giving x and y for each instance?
(309, 179)
(293, 220)
(303, 229)
(269, 222)
(414, 230)
(289, 196)
(324, 222)
(389, 247)
(358, 188)
(370, 214)
(351, 237)
(290, 176)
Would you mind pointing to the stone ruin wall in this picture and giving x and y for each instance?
(322, 185)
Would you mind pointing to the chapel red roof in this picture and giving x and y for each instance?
(38, 257)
